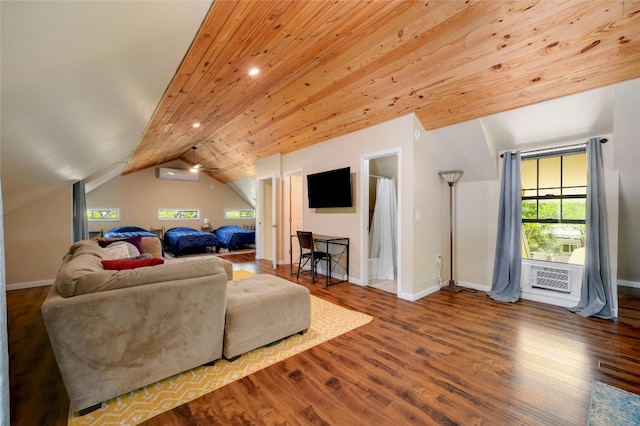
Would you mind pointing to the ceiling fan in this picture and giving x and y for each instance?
(197, 167)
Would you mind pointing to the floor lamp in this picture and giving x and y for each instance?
(451, 177)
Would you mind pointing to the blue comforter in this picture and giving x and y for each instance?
(233, 236)
(180, 239)
(128, 231)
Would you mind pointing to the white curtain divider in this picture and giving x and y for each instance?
(382, 235)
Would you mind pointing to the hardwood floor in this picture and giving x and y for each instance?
(446, 359)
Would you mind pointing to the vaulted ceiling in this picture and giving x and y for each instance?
(329, 68)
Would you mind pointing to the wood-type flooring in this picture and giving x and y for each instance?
(446, 359)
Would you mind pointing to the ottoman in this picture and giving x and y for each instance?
(262, 309)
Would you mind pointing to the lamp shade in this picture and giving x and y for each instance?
(451, 176)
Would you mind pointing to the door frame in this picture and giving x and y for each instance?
(364, 202)
(263, 215)
(287, 230)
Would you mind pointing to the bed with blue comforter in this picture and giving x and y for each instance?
(181, 239)
(128, 231)
(233, 236)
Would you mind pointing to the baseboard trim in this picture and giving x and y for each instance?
(31, 284)
(479, 287)
(419, 295)
(625, 283)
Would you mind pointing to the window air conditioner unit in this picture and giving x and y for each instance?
(177, 174)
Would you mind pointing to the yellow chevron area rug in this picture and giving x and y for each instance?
(241, 273)
(327, 321)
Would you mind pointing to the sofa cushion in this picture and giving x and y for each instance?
(122, 264)
(104, 280)
(84, 257)
(86, 247)
(151, 245)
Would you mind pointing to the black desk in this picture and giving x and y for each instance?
(337, 247)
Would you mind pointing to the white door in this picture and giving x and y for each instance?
(294, 207)
(274, 221)
(266, 238)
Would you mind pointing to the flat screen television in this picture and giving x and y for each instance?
(329, 189)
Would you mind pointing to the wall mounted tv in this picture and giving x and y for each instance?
(329, 189)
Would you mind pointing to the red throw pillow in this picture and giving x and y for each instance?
(120, 264)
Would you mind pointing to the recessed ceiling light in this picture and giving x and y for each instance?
(196, 125)
(254, 71)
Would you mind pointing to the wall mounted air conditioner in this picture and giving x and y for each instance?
(177, 174)
(551, 282)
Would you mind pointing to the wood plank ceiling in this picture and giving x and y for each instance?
(328, 68)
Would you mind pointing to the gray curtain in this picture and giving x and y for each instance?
(595, 296)
(507, 267)
(80, 224)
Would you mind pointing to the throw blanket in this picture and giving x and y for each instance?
(180, 239)
(232, 236)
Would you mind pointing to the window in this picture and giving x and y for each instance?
(178, 214)
(239, 214)
(103, 214)
(554, 207)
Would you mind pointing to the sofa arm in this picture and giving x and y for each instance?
(227, 266)
(109, 343)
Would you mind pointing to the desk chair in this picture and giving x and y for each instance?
(310, 255)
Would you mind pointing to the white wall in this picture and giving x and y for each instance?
(626, 159)
(418, 239)
(36, 238)
(139, 196)
(476, 227)
(423, 221)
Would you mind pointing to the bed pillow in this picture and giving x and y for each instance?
(122, 264)
(136, 241)
(121, 250)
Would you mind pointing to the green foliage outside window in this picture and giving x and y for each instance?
(103, 214)
(239, 214)
(177, 214)
(554, 206)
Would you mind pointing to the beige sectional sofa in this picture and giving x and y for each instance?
(116, 331)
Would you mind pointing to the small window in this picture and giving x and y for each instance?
(178, 214)
(239, 214)
(103, 214)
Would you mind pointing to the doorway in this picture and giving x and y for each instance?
(293, 206)
(266, 227)
(381, 231)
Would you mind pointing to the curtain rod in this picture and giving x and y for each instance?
(560, 149)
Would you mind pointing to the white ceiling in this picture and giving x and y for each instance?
(578, 116)
(80, 81)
